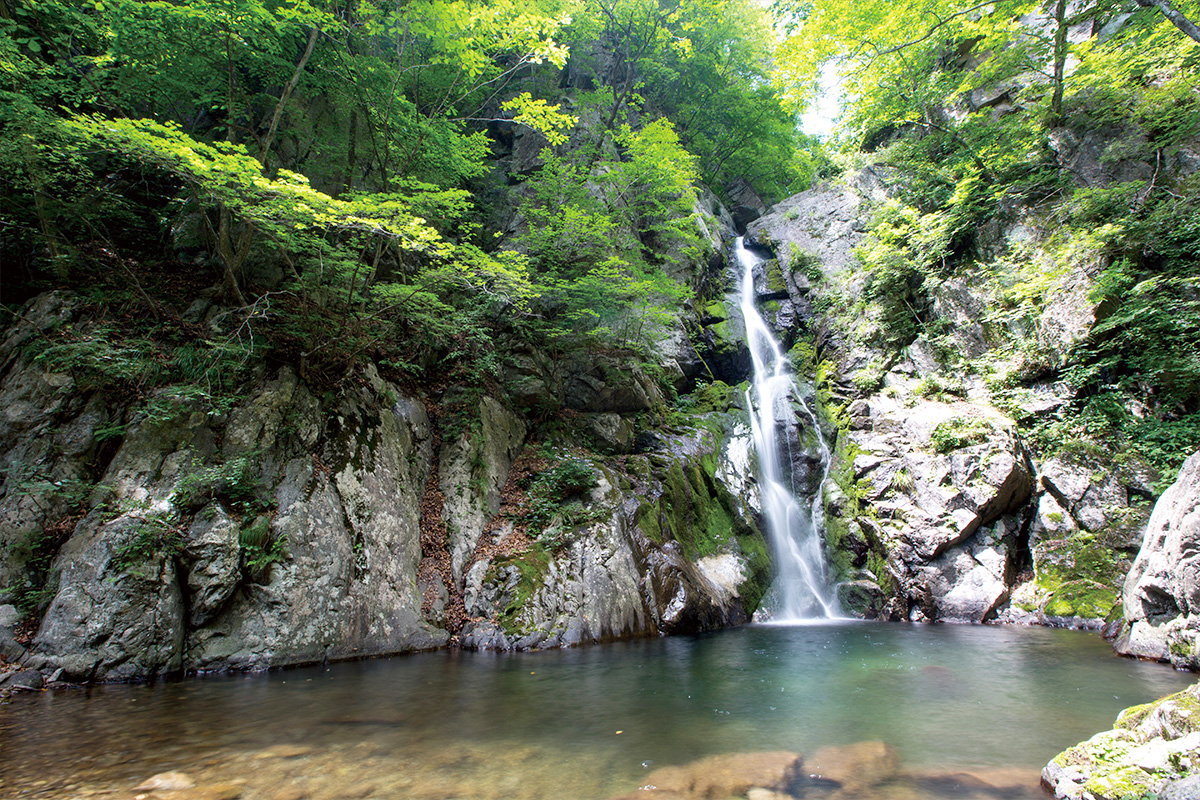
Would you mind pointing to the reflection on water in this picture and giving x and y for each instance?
(584, 723)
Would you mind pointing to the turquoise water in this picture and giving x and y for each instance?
(588, 722)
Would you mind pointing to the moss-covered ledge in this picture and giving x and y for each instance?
(1153, 751)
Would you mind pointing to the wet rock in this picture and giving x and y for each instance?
(1151, 747)
(291, 793)
(863, 599)
(855, 765)
(731, 775)
(1161, 595)
(216, 791)
(26, 680)
(285, 751)
(166, 782)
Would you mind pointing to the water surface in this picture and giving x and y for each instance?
(584, 723)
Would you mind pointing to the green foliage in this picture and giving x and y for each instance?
(568, 477)
(135, 359)
(260, 548)
(149, 537)
(235, 480)
(599, 232)
(958, 432)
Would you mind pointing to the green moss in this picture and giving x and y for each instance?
(1082, 599)
(715, 396)
(1079, 576)
(1122, 783)
(646, 520)
(717, 311)
(534, 566)
(758, 564)
(775, 281)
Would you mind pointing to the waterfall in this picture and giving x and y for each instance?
(801, 590)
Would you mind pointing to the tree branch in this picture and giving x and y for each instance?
(1173, 14)
(269, 139)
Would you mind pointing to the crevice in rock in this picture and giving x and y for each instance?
(435, 549)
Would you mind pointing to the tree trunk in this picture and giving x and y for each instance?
(1060, 62)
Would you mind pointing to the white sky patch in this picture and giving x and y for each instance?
(821, 115)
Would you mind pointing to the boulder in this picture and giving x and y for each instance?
(1151, 750)
(1161, 595)
(213, 556)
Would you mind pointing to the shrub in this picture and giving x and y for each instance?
(958, 432)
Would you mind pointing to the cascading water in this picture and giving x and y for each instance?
(801, 589)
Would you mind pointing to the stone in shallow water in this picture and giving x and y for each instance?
(728, 775)
(166, 782)
(284, 751)
(859, 764)
(215, 791)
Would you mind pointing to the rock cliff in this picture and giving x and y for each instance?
(939, 509)
(158, 536)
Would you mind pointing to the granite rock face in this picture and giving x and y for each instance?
(936, 508)
(162, 537)
(1162, 590)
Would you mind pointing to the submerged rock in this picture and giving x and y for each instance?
(731, 775)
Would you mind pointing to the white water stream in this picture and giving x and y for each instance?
(801, 590)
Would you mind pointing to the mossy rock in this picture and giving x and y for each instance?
(1082, 599)
(716, 311)
(775, 280)
(715, 396)
(1128, 781)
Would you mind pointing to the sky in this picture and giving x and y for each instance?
(819, 119)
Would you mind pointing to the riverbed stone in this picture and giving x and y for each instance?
(166, 782)
(854, 765)
(731, 775)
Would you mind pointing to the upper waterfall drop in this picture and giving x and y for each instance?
(801, 588)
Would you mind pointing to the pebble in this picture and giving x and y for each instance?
(166, 782)
(216, 791)
(285, 751)
(290, 793)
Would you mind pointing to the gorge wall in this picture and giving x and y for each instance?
(158, 537)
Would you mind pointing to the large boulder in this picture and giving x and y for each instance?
(938, 487)
(1153, 750)
(1161, 595)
